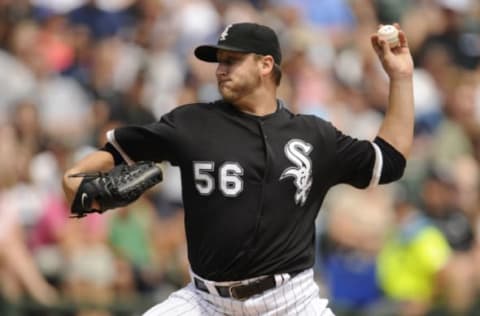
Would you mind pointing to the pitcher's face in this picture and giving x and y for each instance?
(238, 74)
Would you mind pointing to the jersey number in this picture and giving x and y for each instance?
(229, 178)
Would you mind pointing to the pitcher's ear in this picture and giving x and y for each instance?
(267, 64)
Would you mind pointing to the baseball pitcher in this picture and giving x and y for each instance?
(254, 176)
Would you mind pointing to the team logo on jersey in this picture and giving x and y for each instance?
(297, 151)
(224, 34)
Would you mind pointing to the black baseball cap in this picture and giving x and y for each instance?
(244, 38)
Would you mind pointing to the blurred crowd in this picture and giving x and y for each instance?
(70, 70)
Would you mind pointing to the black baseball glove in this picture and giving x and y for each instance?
(119, 187)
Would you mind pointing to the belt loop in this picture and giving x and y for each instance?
(211, 288)
(208, 284)
(282, 278)
(287, 277)
(278, 279)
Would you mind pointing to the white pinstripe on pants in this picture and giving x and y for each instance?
(298, 296)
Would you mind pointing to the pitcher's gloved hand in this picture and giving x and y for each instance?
(119, 187)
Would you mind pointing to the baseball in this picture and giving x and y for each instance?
(389, 33)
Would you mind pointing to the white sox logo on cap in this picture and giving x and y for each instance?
(224, 34)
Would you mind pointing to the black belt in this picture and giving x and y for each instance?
(242, 291)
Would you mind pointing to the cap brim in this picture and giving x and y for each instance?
(208, 53)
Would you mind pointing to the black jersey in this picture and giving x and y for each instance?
(252, 186)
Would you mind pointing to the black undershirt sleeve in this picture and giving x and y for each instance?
(394, 162)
